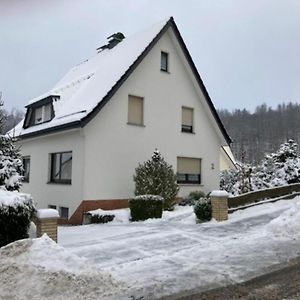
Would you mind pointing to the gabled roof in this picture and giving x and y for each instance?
(87, 87)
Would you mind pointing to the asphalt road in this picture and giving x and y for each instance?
(280, 284)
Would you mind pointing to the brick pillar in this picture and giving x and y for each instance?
(46, 222)
(219, 205)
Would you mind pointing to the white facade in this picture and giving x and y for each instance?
(121, 146)
(39, 186)
(106, 151)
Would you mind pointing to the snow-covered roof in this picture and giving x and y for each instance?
(87, 86)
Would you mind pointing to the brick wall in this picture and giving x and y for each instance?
(87, 205)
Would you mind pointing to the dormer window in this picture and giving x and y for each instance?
(40, 112)
(43, 113)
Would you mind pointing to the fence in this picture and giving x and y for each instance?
(257, 196)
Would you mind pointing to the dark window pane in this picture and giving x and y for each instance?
(52, 206)
(164, 61)
(26, 167)
(61, 167)
(66, 165)
(64, 212)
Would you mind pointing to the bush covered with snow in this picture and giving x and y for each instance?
(192, 198)
(16, 212)
(156, 177)
(276, 169)
(145, 207)
(202, 210)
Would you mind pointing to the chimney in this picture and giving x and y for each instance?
(113, 40)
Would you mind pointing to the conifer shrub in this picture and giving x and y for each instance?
(192, 198)
(16, 213)
(145, 207)
(96, 219)
(203, 210)
(156, 177)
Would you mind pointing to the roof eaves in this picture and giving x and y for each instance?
(75, 124)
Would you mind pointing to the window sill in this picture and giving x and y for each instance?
(193, 132)
(190, 184)
(165, 71)
(60, 182)
(138, 125)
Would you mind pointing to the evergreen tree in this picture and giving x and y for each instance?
(156, 177)
(11, 166)
(276, 169)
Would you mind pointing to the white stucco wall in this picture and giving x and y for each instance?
(113, 148)
(39, 149)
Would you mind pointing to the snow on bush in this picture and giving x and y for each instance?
(104, 216)
(277, 169)
(41, 269)
(156, 177)
(11, 166)
(145, 207)
(16, 212)
(192, 198)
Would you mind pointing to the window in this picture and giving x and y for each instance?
(135, 110)
(187, 119)
(64, 212)
(26, 168)
(164, 63)
(43, 114)
(40, 112)
(38, 115)
(188, 170)
(61, 167)
(52, 206)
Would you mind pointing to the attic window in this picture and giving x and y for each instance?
(40, 112)
(164, 61)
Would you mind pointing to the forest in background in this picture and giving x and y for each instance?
(261, 132)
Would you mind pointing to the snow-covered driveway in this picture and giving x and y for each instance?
(162, 257)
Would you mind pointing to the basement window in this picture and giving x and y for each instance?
(64, 212)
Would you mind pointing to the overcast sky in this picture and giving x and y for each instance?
(247, 52)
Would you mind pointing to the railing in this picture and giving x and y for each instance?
(257, 196)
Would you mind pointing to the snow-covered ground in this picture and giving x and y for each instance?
(151, 259)
(162, 257)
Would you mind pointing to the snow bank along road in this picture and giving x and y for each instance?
(156, 258)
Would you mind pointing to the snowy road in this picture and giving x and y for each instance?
(162, 257)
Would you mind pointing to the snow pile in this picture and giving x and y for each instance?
(121, 215)
(40, 269)
(45, 213)
(287, 225)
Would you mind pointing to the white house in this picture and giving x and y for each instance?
(84, 138)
